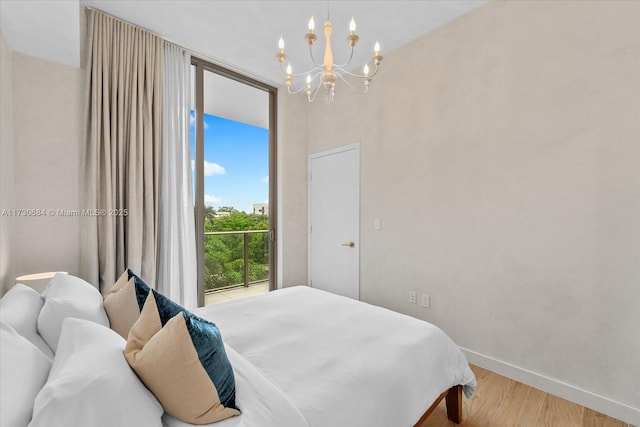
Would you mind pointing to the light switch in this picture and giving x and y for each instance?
(376, 224)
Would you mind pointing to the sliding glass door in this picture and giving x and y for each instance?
(234, 170)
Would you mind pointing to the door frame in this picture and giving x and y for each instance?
(202, 65)
(355, 146)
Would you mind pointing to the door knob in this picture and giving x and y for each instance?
(350, 244)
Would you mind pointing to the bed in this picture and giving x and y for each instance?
(302, 357)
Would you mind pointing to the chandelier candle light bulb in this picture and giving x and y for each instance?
(310, 36)
(328, 72)
(376, 54)
(352, 39)
(281, 56)
(289, 77)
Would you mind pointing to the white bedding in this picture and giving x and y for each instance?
(262, 404)
(328, 361)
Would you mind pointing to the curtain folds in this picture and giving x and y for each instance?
(176, 268)
(122, 158)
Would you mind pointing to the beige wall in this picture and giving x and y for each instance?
(7, 193)
(502, 154)
(47, 140)
(292, 191)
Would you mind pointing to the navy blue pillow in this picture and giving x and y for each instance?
(142, 289)
(167, 308)
(208, 343)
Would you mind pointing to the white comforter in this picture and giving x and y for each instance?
(262, 403)
(323, 360)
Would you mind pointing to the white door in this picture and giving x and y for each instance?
(334, 221)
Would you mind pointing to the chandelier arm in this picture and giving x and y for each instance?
(295, 92)
(318, 70)
(318, 73)
(304, 87)
(360, 76)
(311, 98)
(314, 59)
(352, 86)
(348, 60)
(375, 71)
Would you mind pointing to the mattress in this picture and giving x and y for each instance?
(309, 358)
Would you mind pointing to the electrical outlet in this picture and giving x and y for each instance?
(426, 300)
(413, 297)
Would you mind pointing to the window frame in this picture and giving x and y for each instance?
(202, 65)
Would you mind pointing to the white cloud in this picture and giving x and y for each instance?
(210, 168)
(210, 200)
(265, 179)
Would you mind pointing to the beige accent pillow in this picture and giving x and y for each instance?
(120, 283)
(167, 362)
(121, 305)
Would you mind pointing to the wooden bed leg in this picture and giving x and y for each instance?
(453, 398)
(454, 404)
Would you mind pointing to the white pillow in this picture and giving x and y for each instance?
(23, 370)
(91, 384)
(20, 308)
(68, 296)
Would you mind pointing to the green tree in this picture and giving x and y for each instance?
(209, 214)
(230, 209)
(224, 254)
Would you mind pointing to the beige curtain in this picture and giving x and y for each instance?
(122, 156)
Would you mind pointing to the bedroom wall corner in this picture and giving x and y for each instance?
(292, 190)
(7, 193)
(501, 153)
(47, 123)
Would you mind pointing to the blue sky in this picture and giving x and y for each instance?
(236, 163)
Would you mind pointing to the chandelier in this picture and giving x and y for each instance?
(328, 72)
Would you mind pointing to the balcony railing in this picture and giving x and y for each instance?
(235, 258)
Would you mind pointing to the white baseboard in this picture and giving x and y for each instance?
(585, 398)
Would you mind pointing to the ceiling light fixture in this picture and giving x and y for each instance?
(328, 72)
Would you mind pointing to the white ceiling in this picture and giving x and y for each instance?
(227, 98)
(241, 35)
(49, 30)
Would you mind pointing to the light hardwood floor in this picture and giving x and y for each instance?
(502, 402)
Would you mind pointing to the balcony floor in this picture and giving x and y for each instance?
(241, 292)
